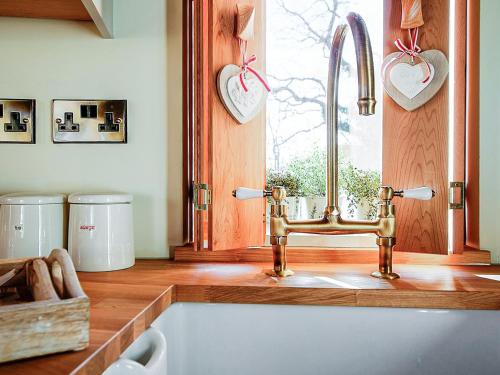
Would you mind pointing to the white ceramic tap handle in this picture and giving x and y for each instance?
(423, 193)
(243, 193)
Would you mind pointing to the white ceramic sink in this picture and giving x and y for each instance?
(145, 356)
(223, 339)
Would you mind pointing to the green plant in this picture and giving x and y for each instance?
(283, 178)
(359, 186)
(310, 173)
(307, 177)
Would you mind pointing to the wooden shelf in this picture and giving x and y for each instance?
(98, 11)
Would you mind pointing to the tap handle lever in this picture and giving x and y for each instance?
(243, 193)
(423, 193)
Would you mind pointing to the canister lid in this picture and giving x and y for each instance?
(100, 198)
(32, 198)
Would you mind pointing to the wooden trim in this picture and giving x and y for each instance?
(187, 119)
(321, 255)
(472, 132)
(459, 119)
(207, 138)
(200, 118)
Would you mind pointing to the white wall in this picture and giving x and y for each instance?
(490, 130)
(174, 74)
(46, 59)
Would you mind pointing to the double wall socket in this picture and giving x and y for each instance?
(17, 120)
(89, 121)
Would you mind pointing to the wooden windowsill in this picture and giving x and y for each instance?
(334, 255)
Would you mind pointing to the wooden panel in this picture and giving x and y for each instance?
(415, 144)
(58, 9)
(187, 120)
(199, 126)
(237, 152)
(459, 119)
(337, 256)
(472, 137)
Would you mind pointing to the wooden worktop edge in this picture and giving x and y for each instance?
(425, 299)
(111, 350)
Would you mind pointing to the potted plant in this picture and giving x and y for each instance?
(311, 174)
(360, 188)
(305, 179)
(291, 184)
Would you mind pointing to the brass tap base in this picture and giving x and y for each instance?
(387, 276)
(282, 273)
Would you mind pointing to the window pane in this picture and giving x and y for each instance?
(299, 34)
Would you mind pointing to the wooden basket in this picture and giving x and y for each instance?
(43, 308)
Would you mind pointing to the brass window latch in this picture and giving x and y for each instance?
(456, 201)
(202, 197)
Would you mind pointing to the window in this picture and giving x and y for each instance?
(298, 41)
(298, 44)
(399, 148)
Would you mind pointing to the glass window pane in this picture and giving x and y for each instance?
(299, 34)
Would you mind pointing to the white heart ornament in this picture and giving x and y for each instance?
(244, 101)
(407, 89)
(242, 106)
(409, 79)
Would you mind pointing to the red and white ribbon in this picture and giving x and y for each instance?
(245, 67)
(413, 51)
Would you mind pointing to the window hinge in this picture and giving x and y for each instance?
(202, 197)
(456, 201)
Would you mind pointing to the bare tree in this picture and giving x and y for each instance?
(313, 26)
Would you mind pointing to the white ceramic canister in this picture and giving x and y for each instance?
(101, 233)
(31, 224)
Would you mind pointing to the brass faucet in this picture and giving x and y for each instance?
(332, 223)
(384, 226)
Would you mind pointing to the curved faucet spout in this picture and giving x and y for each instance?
(366, 95)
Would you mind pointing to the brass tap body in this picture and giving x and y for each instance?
(332, 223)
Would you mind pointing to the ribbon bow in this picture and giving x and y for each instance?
(247, 68)
(413, 51)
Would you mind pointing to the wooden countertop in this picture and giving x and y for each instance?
(124, 303)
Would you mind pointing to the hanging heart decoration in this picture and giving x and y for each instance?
(242, 89)
(412, 77)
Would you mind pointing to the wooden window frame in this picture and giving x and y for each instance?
(467, 109)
